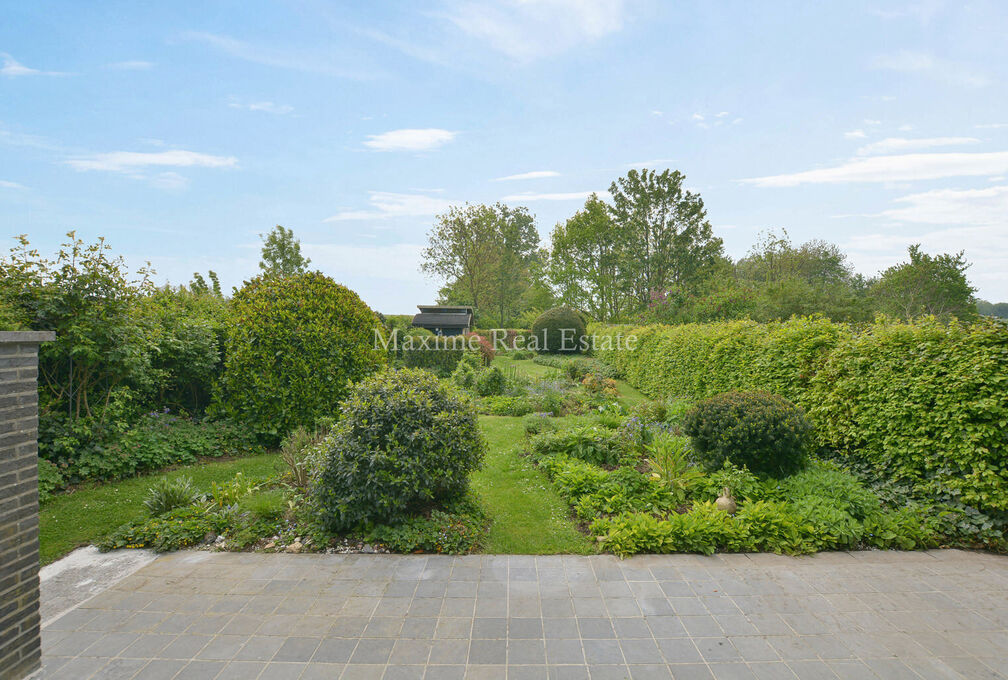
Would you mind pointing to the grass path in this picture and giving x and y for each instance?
(528, 515)
(93, 511)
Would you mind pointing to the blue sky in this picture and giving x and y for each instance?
(180, 132)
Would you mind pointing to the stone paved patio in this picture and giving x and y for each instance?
(192, 615)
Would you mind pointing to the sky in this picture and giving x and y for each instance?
(182, 132)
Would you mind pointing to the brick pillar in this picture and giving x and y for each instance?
(20, 646)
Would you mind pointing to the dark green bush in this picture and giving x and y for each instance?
(294, 347)
(560, 329)
(458, 529)
(404, 443)
(50, 480)
(764, 432)
(600, 446)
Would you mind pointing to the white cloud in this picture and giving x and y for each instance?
(385, 204)
(418, 139)
(568, 196)
(265, 107)
(11, 67)
(126, 161)
(525, 31)
(896, 144)
(907, 61)
(171, 181)
(721, 114)
(903, 168)
(855, 134)
(535, 174)
(698, 116)
(954, 206)
(135, 65)
(4, 184)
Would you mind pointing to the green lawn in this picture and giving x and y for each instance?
(528, 516)
(92, 512)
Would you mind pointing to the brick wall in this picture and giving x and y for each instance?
(19, 517)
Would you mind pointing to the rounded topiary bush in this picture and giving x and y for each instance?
(293, 347)
(404, 443)
(765, 432)
(560, 329)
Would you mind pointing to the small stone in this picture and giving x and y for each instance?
(294, 547)
(219, 541)
(368, 549)
(270, 545)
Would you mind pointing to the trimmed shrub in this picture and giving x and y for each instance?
(922, 403)
(560, 329)
(761, 431)
(438, 354)
(294, 345)
(404, 443)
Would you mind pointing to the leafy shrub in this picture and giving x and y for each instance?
(294, 346)
(50, 479)
(490, 382)
(762, 431)
(438, 354)
(227, 494)
(169, 494)
(744, 485)
(827, 482)
(176, 529)
(484, 347)
(464, 376)
(506, 406)
(903, 528)
(575, 369)
(404, 443)
(155, 441)
(669, 460)
(827, 525)
(704, 529)
(458, 529)
(522, 354)
(573, 478)
(771, 526)
(560, 329)
(590, 444)
(598, 385)
(625, 489)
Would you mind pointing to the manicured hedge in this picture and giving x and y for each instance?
(921, 402)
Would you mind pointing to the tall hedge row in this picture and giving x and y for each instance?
(923, 402)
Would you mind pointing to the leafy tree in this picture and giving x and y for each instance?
(486, 255)
(666, 240)
(586, 262)
(281, 254)
(927, 285)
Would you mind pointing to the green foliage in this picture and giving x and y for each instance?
(762, 431)
(923, 404)
(827, 482)
(668, 457)
(404, 443)
(176, 529)
(625, 490)
(537, 423)
(504, 405)
(157, 440)
(902, 529)
(458, 529)
(772, 527)
(559, 330)
(437, 354)
(600, 446)
(168, 494)
(490, 382)
(704, 529)
(927, 285)
(301, 455)
(268, 506)
(281, 254)
(50, 479)
(294, 346)
(743, 485)
(464, 376)
(522, 354)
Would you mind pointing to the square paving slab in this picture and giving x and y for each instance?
(921, 615)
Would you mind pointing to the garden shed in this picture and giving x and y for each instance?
(444, 319)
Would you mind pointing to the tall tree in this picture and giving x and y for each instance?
(585, 260)
(281, 253)
(667, 240)
(485, 252)
(927, 284)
